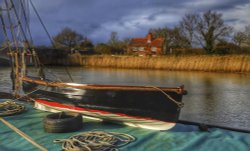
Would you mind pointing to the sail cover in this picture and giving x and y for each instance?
(15, 19)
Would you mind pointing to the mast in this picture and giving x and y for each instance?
(14, 21)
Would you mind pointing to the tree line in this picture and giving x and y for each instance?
(69, 39)
(206, 31)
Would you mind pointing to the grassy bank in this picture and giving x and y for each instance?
(215, 63)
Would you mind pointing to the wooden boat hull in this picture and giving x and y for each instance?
(147, 107)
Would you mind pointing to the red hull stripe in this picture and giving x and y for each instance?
(59, 105)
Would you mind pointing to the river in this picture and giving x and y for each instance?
(213, 98)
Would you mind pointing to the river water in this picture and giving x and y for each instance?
(213, 98)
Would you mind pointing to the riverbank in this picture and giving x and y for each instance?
(213, 63)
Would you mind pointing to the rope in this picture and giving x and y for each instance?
(19, 22)
(6, 9)
(27, 94)
(95, 141)
(14, 38)
(51, 73)
(179, 104)
(13, 26)
(49, 36)
(10, 108)
(26, 20)
(3, 48)
(44, 27)
(23, 135)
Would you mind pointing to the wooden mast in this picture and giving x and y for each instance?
(11, 23)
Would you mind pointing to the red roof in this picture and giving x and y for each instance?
(138, 42)
(158, 42)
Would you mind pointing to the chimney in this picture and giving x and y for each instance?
(149, 37)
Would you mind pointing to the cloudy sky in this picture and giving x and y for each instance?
(96, 19)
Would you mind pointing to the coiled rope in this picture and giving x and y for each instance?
(95, 141)
(10, 108)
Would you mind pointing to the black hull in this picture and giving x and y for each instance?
(152, 104)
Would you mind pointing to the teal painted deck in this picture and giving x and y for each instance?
(180, 138)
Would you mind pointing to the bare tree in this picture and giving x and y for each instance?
(173, 38)
(211, 28)
(113, 40)
(239, 38)
(247, 29)
(118, 46)
(67, 38)
(204, 29)
(247, 33)
(188, 26)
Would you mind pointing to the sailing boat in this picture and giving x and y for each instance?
(148, 107)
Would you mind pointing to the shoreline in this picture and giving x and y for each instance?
(205, 63)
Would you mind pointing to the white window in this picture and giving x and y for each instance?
(135, 49)
(141, 48)
(154, 49)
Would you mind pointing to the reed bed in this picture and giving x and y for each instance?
(214, 63)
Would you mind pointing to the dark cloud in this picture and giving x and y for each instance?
(204, 5)
(96, 19)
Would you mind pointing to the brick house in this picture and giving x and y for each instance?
(146, 46)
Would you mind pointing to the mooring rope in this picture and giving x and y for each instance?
(179, 104)
(23, 135)
(95, 141)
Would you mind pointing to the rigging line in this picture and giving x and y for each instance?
(44, 27)
(40, 19)
(11, 25)
(21, 26)
(36, 59)
(15, 67)
(69, 74)
(3, 48)
(26, 21)
(14, 26)
(6, 9)
(26, 95)
(52, 73)
(4, 30)
(18, 19)
(8, 42)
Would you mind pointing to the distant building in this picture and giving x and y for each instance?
(146, 46)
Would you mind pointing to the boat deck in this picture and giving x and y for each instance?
(181, 137)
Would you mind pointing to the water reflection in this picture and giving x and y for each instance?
(214, 98)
